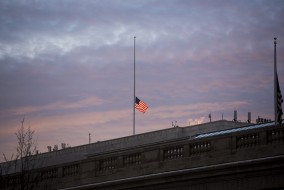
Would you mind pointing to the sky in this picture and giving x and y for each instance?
(67, 66)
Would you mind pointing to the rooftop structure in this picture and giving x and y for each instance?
(82, 152)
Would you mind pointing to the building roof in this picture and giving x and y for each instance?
(253, 126)
(75, 154)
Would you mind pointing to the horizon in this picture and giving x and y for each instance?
(136, 136)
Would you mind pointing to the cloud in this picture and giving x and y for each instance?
(196, 121)
(68, 65)
(83, 103)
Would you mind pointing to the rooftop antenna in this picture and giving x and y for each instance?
(63, 145)
(89, 138)
(49, 148)
(222, 116)
(249, 117)
(55, 148)
(235, 116)
(174, 124)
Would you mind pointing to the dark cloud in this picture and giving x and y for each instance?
(69, 64)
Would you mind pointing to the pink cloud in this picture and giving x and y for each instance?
(62, 105)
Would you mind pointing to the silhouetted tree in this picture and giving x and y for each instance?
(18, 171)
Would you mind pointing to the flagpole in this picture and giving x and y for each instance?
(134, 96)
(275, 82)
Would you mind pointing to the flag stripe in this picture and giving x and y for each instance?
(140, 105)
(279, 102)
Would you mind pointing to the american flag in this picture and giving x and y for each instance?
(140, 105)
(279, 102)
